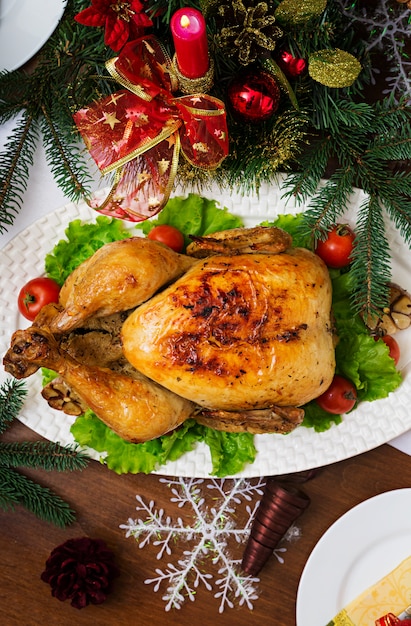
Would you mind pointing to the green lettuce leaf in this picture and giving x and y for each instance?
(315, 417)
(359, 357)
(229, 451)
(124, 457)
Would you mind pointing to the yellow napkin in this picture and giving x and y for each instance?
(391, 594)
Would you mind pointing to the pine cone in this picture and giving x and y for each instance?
(249, 30)
(80, 570)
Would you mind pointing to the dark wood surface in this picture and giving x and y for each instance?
(103, 500)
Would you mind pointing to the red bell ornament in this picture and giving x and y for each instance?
(290, 65)
(254, 96)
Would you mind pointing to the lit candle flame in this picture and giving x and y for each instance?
(185, 21)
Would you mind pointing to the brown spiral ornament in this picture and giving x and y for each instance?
(280, 506)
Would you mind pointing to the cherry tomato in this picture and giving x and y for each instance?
(35, 294)
(336, 249)
(168, 235)
(340, 396)
(394, 348)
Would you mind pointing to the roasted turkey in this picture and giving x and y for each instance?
(236, 333)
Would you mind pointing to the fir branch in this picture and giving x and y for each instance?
(368, 147)
(9, 498)
(392, 146)
(12, 94)
(44, 503)
(66, 162)
(370, 268)
(328, 204)
(16, 488)
(42, 455)
(69, 72)
(304, 183)
(395, 196)
(12, 396)
(15, 163)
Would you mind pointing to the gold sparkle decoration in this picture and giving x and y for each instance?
(333, 68)
(299, 12)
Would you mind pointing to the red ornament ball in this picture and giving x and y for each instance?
(291, 66)
(254, 96)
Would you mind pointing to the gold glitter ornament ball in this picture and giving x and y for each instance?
(299, 12)
(333, 68)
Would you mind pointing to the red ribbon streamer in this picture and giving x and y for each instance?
(391, 620)
(138, 132)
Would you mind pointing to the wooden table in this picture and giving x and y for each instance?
(104, 500)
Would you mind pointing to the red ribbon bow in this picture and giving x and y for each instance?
(138, 132)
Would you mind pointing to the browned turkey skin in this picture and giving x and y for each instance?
(239, 339)
(239, 332)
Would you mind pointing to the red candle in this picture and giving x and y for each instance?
(190, 41)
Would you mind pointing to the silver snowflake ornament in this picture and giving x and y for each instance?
(212, 532)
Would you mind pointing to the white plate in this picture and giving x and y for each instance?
(359, 549)
(25, 25)
(371, 425)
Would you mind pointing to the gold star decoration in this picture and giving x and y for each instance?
(110, 119)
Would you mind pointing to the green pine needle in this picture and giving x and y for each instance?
(15, 163)
(42, 455)
(12, 396)
(15, 488)
(46, 505)
(371, 278)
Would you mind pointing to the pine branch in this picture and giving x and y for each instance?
(44, 503)
(42, 455)
(370, 268)
(15, 163)
(15, 488)
(12, 94)
(304, 183)
(12, 396)
(66, 161)
(328, 204)
(395, 196)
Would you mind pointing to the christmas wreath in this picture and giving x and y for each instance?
(289, 77)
